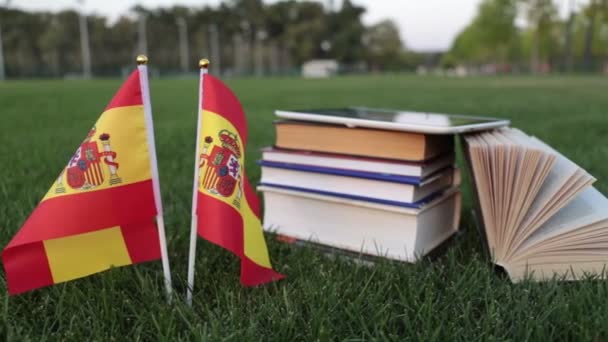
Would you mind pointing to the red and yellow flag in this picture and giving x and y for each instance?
(228, 209)
(99, 213)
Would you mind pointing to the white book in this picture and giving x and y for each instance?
(395, 190)
(364, 227)
(364, 164)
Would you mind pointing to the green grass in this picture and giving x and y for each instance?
(456, 296)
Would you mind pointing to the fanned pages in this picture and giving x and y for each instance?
(540, 215)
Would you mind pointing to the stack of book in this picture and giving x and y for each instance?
(378, 192)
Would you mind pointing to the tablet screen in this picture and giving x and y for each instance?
(400, 120)
(400, 117)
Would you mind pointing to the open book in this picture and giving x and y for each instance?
(539, 214)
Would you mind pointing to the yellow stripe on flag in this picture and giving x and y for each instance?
(254, 243)
(127, 130)
(84, 254)
(211, 125)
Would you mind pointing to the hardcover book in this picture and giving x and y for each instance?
(365, 227)
(333, 138)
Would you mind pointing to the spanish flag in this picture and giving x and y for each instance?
(227, 208)
(99, 213)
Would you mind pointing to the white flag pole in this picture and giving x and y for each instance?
(160, 221)
(204, 66)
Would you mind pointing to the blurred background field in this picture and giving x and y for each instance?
(456, 296)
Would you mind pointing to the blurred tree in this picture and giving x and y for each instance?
(595, 14)
(50, 45)
(491, 37)
(466, 48)
(22, 53)
(383, 46)
(199, 23)
(542, 21)
(495, 24)
(121, 38)
(112, 46)
(344, 34)
(304, 30)
(567, 61)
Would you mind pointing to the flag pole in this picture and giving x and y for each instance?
(203, 65)
(142, 62)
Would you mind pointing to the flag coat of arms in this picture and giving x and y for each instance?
(99, 213)
(227, 208)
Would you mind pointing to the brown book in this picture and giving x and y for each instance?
(361, 141)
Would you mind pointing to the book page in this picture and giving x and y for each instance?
(561, 174)
(587, 208)
(527, 174)
(480, 163)
(509, 170)
(564, 181)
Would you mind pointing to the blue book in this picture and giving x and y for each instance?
(403, 191)
(342, 172)
(415, 205)
(359, 163)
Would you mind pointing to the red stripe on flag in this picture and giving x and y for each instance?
(142, 241)
(92, 174)
(129, 94)
(86, 212)
(98, 175)
(216, 180)
(211, 180)
(253, 274)
(208, 175)
(205, 177)
(222, 225)
(221, 100)
(26, 268)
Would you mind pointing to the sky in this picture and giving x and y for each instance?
(425, 25)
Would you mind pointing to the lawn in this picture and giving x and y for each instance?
(456, 296)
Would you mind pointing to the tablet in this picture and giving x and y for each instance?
(398, 120)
